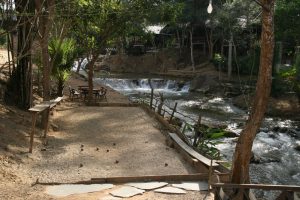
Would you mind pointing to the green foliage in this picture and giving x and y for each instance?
(249, 63)
(218, 60)
(208, 141)
(235, 17)
(287, 79)
(2, 38)
(287, 21)
(62, 54)
(279, 86)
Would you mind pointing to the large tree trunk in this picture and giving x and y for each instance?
(242, 155)
(46, 69)
(19, 90)
(45, 8)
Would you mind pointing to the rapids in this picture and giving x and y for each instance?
(274, 146)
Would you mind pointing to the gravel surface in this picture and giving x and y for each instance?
(104, 142)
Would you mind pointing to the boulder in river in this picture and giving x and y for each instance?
(255, 159)
(294, 133)
(297, 147)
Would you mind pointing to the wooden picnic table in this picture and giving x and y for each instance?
(84, 90)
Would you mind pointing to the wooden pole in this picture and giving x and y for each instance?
(156, 102)
(210, 175)
(32, 130)
(151, 100)
(46, 124)
(174, 110)
(8, 54)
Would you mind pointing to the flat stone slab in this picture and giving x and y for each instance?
(170, 190)
(147, 185)
(126, 191)
(193, 186)
(109, 197)
(68, 189)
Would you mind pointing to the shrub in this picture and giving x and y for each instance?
(218, 60)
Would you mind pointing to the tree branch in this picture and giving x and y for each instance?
(262, 5)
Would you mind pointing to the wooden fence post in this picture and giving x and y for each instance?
(174, 110)
(151, 100)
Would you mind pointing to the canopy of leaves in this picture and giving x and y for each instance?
(287, 20)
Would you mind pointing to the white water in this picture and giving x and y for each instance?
(280, 162)
(142, 85)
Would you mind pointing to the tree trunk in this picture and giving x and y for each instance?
(242, 155)
(222, 56)
(210, 43)
(12, 48)
(8, 54)
(192, 49)
(179, 41)
(80, 60)
(90, 76)
(46, 69)
(229, 71)
(60, 87)
(44, 26)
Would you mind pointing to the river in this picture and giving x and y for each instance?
(274, 146)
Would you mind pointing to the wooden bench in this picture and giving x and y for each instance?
(192, 152)
(37, 109)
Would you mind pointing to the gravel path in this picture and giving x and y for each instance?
(105, 142)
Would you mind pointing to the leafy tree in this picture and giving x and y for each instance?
(232, 23)
(62, 54)
(99, 23)
(287, 20)
(292, 76)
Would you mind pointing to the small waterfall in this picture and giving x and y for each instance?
(83, 64)
(142, 85)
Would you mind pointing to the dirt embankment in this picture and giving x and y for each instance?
(153, 62)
